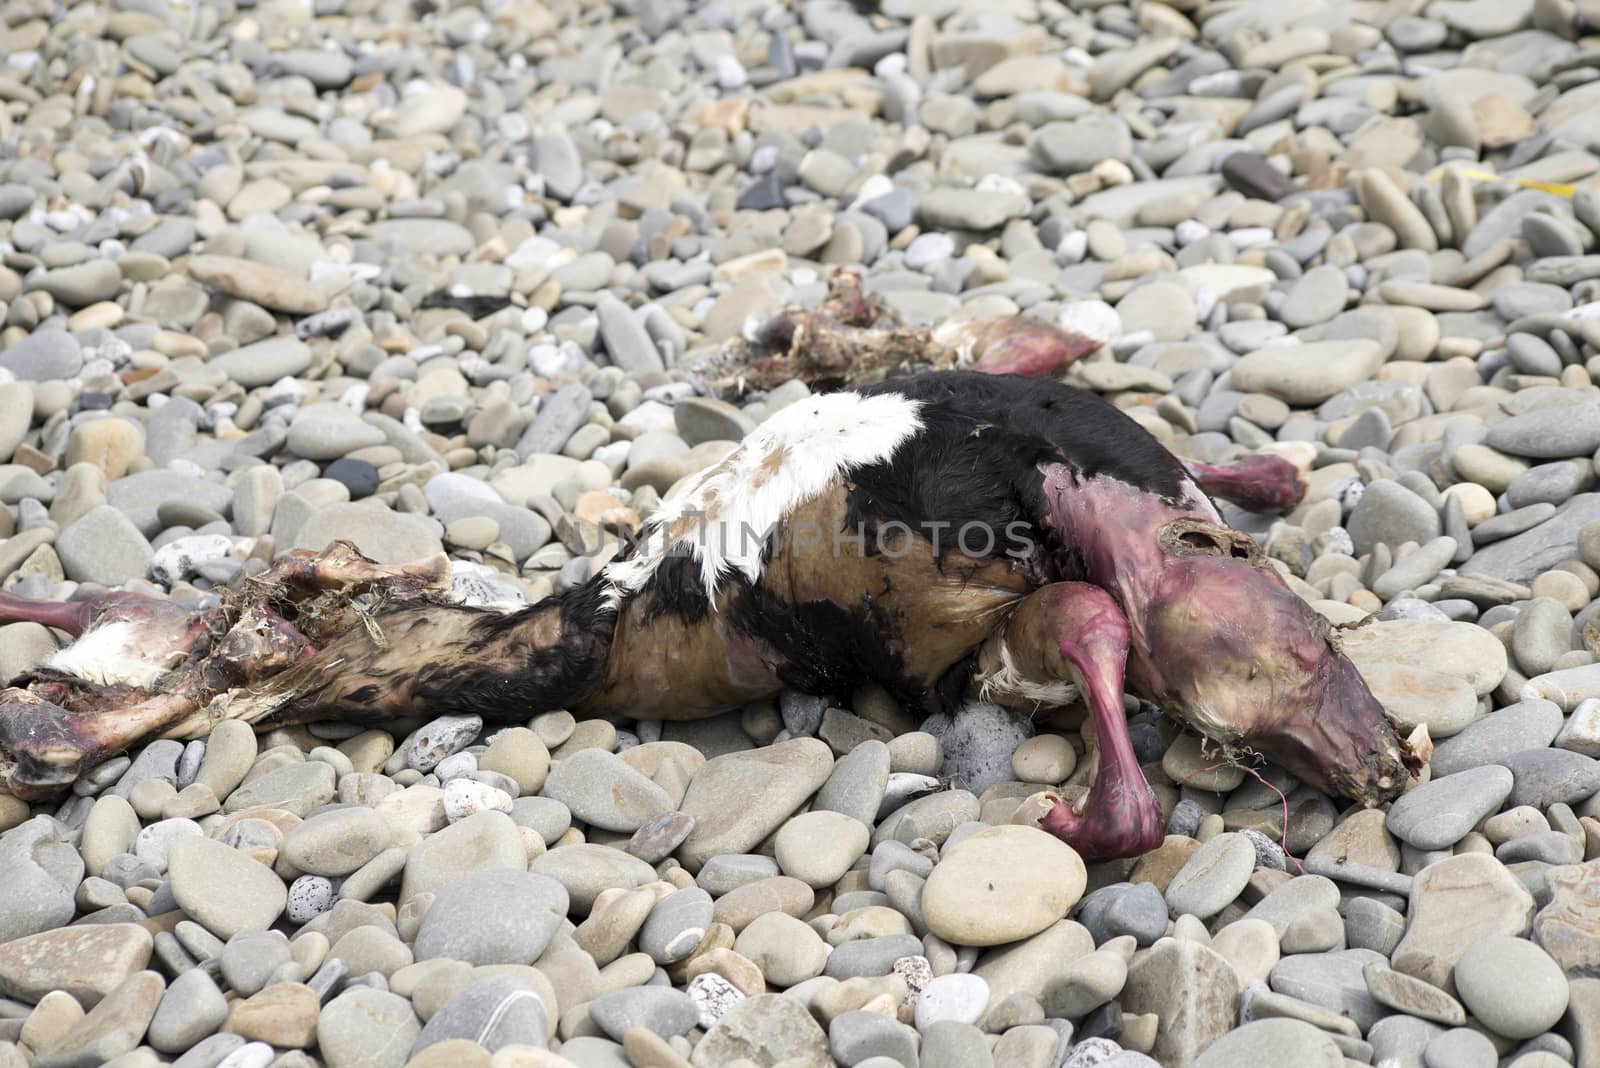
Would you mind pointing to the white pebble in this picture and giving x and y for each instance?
(468, 797)
(309, 897)
(1247, 236)
(891, 64)
(730, 72)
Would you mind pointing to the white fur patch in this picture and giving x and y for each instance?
(722, 517)
(110, 655)
(1007, 685)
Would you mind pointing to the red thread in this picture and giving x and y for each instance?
(1283, 837)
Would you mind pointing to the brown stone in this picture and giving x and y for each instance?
(1569, 926)
(739, 907)
(87, 962)
(111, 1028)
(1158, 866)
(284, 1014)
(733, 966)
(1455, 904)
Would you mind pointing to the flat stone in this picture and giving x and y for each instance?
(1511, 986)
(191, 1009)
(660, 1010)
(223, 889)
(1001, 885)
(264, 362)
(87, 962)
(769, 1028)
(267, 286)
(367, 1028)
(39, 876)
(1026, 966)
(676, 925)
(297, 788)
(1309, 373)
(1544, 777)
(1549, 433)
(1460, 650)
(1212, 878)
(337, 843)
(487, 841)
(1455, 903)
(495, 1011)
(969, 209)
(1273, 1041)
(493, 917)
(738, 799)
(1568, 928)
(856, 785)
(785, 949)
(110, 1029)
(1191, 989)
(1406, 994)
(81, 284)
(1523, 558)
(1390, 514)
(43, 356)
(385, 537)
(104, 546)
(1336, 981)
(602, 790)
(1530, 724)
(587, 869)
(1439, 813)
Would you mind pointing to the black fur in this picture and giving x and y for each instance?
(675, 589)
(977, 458)
(823, 647)
(554, 677)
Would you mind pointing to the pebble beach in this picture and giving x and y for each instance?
(465, 277)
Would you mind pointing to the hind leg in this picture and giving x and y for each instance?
(45, 747)
(69, 616)
(1073, 633)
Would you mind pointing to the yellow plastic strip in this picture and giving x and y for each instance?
(1560, 189)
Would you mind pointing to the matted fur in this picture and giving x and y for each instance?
(721, 519)
(114, 654)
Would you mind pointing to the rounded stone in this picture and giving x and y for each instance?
(1044, 758)
(1273, 1041)
(493, 917)
(1512, 986)
(338, 842)
(819, 847)
(603, 790)
(786, 950)
(1000, 885)
(1213, 877)
(960, 997)
(222, 889)
(367, 1028)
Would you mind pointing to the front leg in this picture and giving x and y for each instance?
(1074, 632)
(1260, 483)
